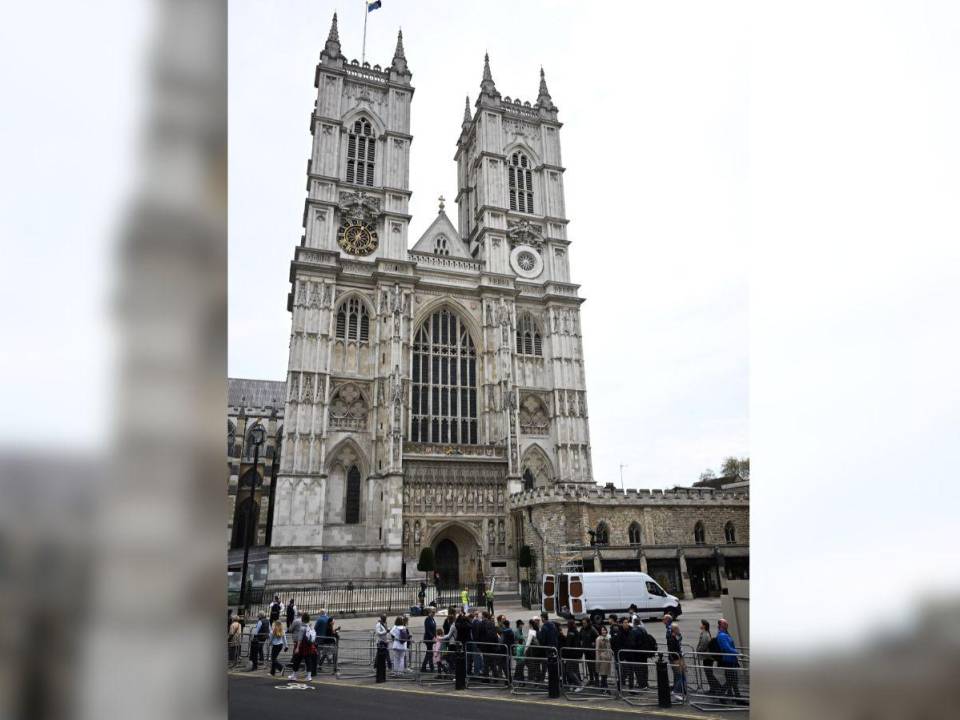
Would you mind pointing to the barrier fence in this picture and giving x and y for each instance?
(696, 679)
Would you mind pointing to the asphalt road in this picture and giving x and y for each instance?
(257, 697)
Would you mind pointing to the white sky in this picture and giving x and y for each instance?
(654, 104)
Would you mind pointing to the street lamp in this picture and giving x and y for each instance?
(255, 436)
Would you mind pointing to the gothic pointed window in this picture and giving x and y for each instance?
(351, 514)
(529, 337)
(634, 533)
(353, 322)
(521, 183)
(699, 535)
(444, 388)
(603, 534)
(528, 480)
(361, 153)
(730, 533)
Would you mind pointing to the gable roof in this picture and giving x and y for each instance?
(441, 226)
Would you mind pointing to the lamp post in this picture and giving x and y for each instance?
(256, 436)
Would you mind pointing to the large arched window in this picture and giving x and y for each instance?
(634, 533)
(444, 392)
(353, 323)
(521, 183)
(699, 535)
(730, 533)
(351, 514)
(249, 444)
(231, 437)
(361, 153)
(603, 534)
(529, 338)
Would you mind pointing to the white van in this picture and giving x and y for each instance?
(595, 594)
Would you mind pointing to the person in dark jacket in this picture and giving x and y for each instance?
(572, 653)
(588, 640)
(616, 645)
(707, 658)
(291, 613)
(474, 659)
(638, 639)
(276, 607)
(488, 646)
(548, 636)
(429, 633)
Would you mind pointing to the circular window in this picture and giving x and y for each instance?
(526, 261)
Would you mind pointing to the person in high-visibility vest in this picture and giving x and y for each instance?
(465, 599)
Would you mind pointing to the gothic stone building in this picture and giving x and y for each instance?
(427, 386)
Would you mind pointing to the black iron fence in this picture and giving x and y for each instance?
(529, 594)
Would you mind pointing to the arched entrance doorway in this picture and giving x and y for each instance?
(448, 564)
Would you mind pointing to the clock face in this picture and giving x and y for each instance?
(357, 238)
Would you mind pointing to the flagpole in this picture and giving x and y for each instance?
(363, 51)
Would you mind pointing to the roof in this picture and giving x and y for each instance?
(442, 226)
(256, 393)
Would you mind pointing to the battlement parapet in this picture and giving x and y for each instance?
(579, 492)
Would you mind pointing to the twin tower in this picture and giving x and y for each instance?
(425, 384)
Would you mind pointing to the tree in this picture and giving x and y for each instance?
(425, 563)
(707, 474)
(730, 467)
(745, 468)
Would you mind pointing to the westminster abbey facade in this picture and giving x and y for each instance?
(435, 392)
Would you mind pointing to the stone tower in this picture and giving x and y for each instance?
(427, 384)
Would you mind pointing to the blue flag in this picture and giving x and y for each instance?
(371, 6)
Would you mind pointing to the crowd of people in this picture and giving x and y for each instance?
(618, 647)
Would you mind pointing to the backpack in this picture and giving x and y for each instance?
(309, 638)
(648, 642)
(404, 635)
(714, 647)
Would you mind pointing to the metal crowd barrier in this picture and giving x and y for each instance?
(575, 685)
(729, 689)
(531, 673)
(355, 657)
(637, 677)
(488, 665)
(444, 671)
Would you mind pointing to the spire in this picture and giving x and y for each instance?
(399, 64)
(487, 86)
(543, 98)
(332, 48)
(466, 111)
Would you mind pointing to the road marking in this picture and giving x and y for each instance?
(389, 688)
(293, 686)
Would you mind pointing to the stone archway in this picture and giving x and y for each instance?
(457, 555)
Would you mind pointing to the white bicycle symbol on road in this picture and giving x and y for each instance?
(294, 686)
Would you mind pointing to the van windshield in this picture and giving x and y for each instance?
(655, 589)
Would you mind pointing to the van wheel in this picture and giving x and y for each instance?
(596, 617)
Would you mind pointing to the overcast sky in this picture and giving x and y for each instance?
(653, 101)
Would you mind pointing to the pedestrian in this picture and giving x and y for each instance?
(617, 640)
(422, 595)
(667, 622)
(305, 648)
(382, 635)
(326, 638)
(278, 643)
(258, 636)
(429, 635)
(465, 599)
(276, 607)
(234, 635)
(707, 658)
(549, 637)
(677, 663)
(475, 663)
(448, 620)
(295, 629)
(398, 649)
(634, 613)
(291, 613)
(488, 595)
(572, 653)
(534, 653)
(445, 648)
(604, 655)
(729, 660)
(588, 640)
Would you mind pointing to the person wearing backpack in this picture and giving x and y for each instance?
(305, 648)
(276, 607)
(398, 649)
(706, 649)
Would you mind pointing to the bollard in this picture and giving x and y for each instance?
(380, 663)
(663, 682)
(460, 669)
(553, 677)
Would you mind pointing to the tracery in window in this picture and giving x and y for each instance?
(361, 153)
(521, 183)
(634, 533)
(352, 497)
(699, 535)
(444, 388)
(529, 337)
(353, 322)
(730, 533)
